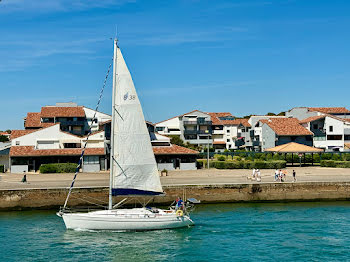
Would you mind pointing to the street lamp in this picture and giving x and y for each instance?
(207, 132)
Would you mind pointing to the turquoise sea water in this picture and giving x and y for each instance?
(223, 232)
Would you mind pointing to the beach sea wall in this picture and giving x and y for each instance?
(266, 192)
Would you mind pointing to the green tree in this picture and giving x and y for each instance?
(176, 140)
(3, 139)
(281, 114)
(270, 114)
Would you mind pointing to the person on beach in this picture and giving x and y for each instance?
(280, 175)
(254, 172)
(258, 175)
(276, 174)
(24, 179)
(294, 176)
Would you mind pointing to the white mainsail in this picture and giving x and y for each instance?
(135, 170)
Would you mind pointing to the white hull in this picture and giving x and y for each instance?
(136, 219)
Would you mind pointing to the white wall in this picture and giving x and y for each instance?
(95, 140)
(233, 130)
(52, 133)
(101, 117)
(171, 123)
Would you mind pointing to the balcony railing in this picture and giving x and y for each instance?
(190, 132)
(190, 122)
(205, 132)
(72, 123)
(204, 123)
(256, 143)
(200, 132)
(318, 132)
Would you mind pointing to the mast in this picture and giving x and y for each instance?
(110, 201)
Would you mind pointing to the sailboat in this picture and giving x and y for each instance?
(133, 171)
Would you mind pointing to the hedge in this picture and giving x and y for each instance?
(333, 163)
(243, 164)
(2, 169)
(58, 168)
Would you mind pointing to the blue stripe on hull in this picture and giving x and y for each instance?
(131, 191)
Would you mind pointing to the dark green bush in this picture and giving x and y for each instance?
(247, 164)
(58, 168)
(336, 157)
(332, 163)
(346, 157)
(2, 169)
(276, 157)
(221, 158)
(326, 156)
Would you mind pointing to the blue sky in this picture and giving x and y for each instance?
(244, 56)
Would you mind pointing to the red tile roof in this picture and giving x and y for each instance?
(215, 118)
(329, 110)
(30, 151)
(33, 120)
(173, 150)
(286, 126)
(57, 111)
(311, 118)
(18, 133)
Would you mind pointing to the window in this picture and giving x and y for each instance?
(330, 128)
(160, 128)
(229, 146)
(91, 160)
(315, 126)
(17, 143)
(228, 140)
(346, 137)
(334, 137)
(228, 130)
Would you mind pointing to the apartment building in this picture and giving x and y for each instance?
(32, 147)
(194, 127)
(229, 132)
(71, 117)
(278, 131)
(331, 133)
(306, 112)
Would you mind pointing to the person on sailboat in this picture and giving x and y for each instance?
(179, 203)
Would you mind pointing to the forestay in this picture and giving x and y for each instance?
(134, 167)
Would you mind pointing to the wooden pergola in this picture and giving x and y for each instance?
(295, 148)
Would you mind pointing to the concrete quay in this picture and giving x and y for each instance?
(45, 191)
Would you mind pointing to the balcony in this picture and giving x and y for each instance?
(204, 123)
(72, 123)
(318, 132)
(239, 142)
(190, 123)
(205, 132)
(190, 132)
(218, 132)
(256, 143)
(199, 141)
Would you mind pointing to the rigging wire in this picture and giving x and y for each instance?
(88, 135)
